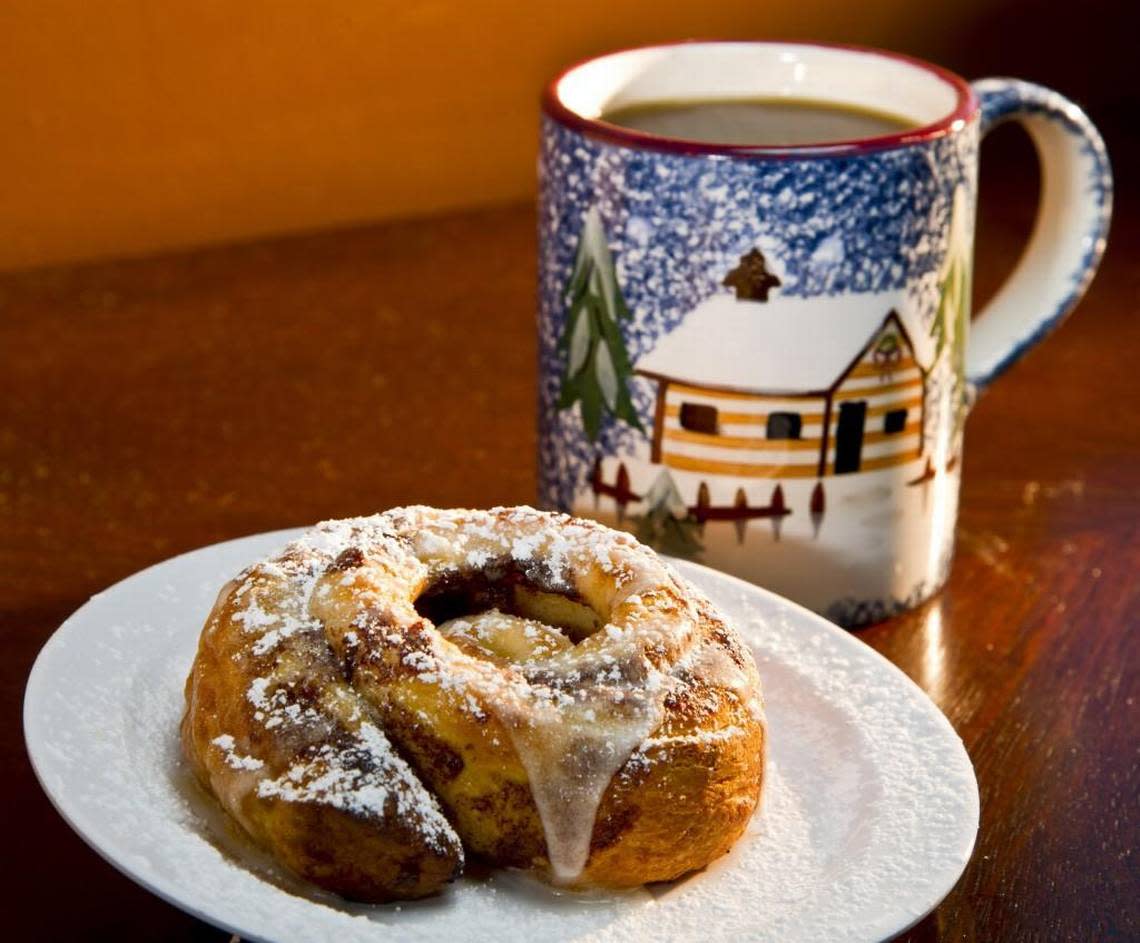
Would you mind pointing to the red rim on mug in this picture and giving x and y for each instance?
(965, 108)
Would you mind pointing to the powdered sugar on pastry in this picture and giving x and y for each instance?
(573, 640)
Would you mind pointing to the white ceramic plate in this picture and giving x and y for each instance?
(868, 819)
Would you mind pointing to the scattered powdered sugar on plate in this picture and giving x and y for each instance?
(868, 817)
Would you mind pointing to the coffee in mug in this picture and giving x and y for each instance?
(759, 121)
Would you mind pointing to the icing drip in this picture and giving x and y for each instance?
(716, 667)
(570, 757)
(571, 739)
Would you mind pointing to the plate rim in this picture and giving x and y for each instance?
(89, 836)
(853, 643)
(168, 890)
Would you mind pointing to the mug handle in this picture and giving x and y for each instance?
(1069, 232)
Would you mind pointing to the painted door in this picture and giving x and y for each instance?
(849, 437)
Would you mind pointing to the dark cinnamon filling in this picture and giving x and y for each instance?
(512, 591)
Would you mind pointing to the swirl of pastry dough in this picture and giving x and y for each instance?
(539, 690)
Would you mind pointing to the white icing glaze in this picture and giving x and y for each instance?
(571, 755)
(571, 748)
(715, 665)
(576, 713)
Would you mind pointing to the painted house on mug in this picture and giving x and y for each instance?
(788, 388)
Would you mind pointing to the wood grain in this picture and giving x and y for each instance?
(153, 406)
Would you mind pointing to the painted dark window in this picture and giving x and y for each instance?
(696, 417)
(784, 425)
(849, 437)
(894, 421)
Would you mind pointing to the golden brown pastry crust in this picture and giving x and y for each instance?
(366, 742)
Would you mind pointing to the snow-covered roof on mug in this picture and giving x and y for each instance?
(783, 345)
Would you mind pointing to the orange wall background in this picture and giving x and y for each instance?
(137, 125)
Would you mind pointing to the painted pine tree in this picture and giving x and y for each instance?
(948, 329)
(953, 303)
(667, 523)
(597, 365)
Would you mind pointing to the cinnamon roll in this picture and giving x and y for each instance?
(389, 694)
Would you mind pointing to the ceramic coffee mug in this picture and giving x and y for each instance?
(761, 357)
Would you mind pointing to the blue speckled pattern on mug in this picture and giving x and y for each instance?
(677, 223)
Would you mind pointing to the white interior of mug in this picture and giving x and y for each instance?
(724, 70)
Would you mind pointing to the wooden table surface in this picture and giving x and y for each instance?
(148, 407)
